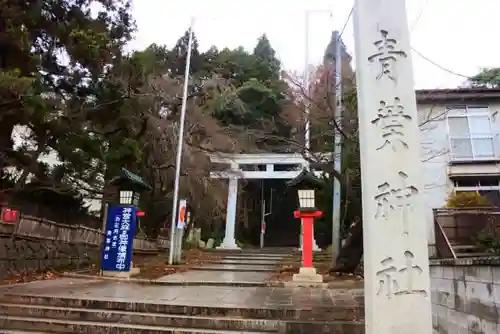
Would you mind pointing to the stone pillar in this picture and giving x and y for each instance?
(229, 241)
(397, 296)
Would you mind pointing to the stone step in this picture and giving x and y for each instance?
(234, 267)
(245, 262)
(341, 312)
(265, 252)
(465, 248)
(255, 257)
(138, 318)
(2, 331)
(331, 327)
(334, 327)
(470, 255)
(78, 326)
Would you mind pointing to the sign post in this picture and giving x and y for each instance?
(181, 223)
(119, 235)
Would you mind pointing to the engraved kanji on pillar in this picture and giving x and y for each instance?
(393, 281)
(395, 199)
(391, 119)
(387, 55)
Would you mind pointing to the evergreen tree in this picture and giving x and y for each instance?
(267, 63)
(178, 56)
(486, 78)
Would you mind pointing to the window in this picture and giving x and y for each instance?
(471, 136)
(486, 186)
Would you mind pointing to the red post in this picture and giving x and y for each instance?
(307, 220)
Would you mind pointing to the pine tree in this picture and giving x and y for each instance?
(178, 56)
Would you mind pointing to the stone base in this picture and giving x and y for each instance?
(307, 275)
(228, 244)
(315, 247)
(122, 274)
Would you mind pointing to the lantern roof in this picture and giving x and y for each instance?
(127, 179)
(306, 179)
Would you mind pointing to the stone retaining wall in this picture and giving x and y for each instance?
(36, 245)
(23, 256)
(466, 296)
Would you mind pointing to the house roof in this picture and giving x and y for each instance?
(457, 95)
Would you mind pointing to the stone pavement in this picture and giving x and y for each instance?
(222, 297)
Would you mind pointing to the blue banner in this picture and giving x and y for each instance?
(119, 238)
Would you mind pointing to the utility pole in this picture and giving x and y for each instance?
(337, 147)
(180, 144)
(307, 128)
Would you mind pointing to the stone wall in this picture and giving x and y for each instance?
(466, 296)
(22, 256)
(37, 245)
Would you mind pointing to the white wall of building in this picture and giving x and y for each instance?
(435, 153)
(435, 157)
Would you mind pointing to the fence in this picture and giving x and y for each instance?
(37, 228)
(461, 225)
(34, 244)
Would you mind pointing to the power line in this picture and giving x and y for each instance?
(414, 23)
(346, 22)
(469, 78)
(440, 66)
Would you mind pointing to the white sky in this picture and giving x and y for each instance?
(460, 35)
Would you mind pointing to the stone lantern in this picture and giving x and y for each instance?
(128, 187)
(306, 184)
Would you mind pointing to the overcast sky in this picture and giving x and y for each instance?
(460, 35)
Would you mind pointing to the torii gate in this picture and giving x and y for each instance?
(235, 172)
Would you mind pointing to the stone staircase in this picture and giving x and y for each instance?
(99, 307)
(32, 314)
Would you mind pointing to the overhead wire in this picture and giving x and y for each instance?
(412, 27)
(440, 66)
(346, 21)
(419, 16)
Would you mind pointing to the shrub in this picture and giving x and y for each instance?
(488, 240)
(466, 199)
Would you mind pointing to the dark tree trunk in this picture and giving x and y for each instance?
(352, 251)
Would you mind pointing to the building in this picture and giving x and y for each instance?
(460, 145)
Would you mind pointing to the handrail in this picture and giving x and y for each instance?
(443, 245)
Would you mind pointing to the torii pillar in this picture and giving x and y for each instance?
(229, 241)
(396, 262)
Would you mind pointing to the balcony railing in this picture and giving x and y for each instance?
(484, 147)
